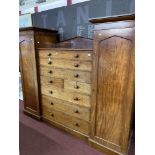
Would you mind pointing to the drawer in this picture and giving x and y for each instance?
(72, 75)
(52, 72)
(80, 99)
(50, 81)
(70, 54)
(66, 107)
(66, 120)
(78, 87)
(67, 64)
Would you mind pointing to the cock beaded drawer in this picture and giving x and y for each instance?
(65, 79)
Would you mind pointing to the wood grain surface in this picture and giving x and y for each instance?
(112, 85)
(73, 75)
(72, 97)
(50, 81)
(67, 120)
(66, 54)
(29, 73)
(67, 64)
(67, 107)
(78, 87)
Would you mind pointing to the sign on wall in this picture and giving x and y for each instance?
(31, 3)
(32, 6)
(73, 20)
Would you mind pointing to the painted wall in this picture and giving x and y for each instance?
(73, 21)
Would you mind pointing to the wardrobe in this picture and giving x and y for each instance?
(112, 83)
(83, 86)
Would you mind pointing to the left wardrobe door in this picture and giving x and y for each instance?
(29, 75)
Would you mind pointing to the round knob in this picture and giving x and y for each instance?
(51, 92)
(76, 56)
(51, 81)
(52, 115)
(49, 62)
(49, 54)
(76, 124)
(76, 98)
(76, 65)
(76, 87)
(50, 72)
(76, 75)
(76, 111)
(52, 103)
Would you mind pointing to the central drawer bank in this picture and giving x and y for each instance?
(65, 79)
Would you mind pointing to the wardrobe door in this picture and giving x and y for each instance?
(112, 84)
(29, 75)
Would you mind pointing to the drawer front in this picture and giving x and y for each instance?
(72, 55)
(67, 64)
(77, 87)
(66, 120)
(80, 99)
(72, 75)
(66, 107)
(52, 72)
(50, 81)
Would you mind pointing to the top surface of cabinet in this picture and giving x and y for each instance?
(114, 22)
(36, 29)
(112, 18)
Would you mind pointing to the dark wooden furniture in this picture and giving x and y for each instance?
(83, 89)
(112, 84)
(30, 39)
(65, 82)
(65, 76)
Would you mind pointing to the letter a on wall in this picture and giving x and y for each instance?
(61, 19)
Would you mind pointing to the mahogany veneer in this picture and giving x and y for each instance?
(87, 92)
(112, 84)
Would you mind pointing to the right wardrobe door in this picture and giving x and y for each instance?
(113, 86)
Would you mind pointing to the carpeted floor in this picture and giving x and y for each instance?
(38, 138)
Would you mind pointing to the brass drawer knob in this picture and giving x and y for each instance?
(76, 65)
(52, 115)
(76, 87)
(50, 81)
(49, 62)
(76, 124)
(76, 56)
(76, 75)
(52, 103)
(51, 92)
(76, 98)
(76, 111)
(50, 72)
(49, 54)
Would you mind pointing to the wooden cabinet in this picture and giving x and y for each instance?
(112, 84)
(66, 88)
(87, 92)
(30, 39)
